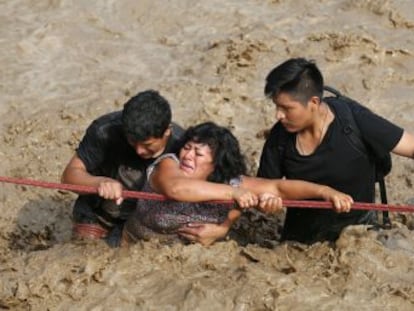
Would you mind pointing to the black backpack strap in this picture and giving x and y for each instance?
(339, 104)
(386, 221)
(345, 116)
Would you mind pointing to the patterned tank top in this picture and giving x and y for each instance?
(154, 218)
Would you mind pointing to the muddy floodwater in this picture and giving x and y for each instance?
(64, 63)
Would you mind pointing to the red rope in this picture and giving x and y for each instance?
(158, 197)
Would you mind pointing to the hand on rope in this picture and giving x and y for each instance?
(111, 189)
(158, 197)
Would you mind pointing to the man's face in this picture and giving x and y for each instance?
(293, 115)
(152, 147)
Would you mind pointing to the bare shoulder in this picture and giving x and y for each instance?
(166, 166)
(167, 162)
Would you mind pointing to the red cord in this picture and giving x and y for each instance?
(158, 197)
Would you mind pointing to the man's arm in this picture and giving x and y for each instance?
(77, 174)
(405, 146)
(296, 190)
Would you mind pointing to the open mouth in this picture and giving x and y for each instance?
(186, 167)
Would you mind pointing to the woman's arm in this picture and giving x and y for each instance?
(207, 234)
(298, 190)
(168, 179)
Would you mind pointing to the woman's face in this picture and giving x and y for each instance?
(196, 160)
(293, 115)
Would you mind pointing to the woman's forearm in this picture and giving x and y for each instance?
(192, 190)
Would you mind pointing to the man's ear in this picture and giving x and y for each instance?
(314, 103)
(168, 131)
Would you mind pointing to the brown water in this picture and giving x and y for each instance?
(64, 63)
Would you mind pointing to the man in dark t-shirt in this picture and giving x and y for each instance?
(309, 143)
(112, 156)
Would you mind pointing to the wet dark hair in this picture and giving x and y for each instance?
(298, 77)
(227, 157)
(146, 115)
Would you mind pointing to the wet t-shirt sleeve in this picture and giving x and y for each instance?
(102, 139)
(270, 162)
(92, 148)
(377, 132)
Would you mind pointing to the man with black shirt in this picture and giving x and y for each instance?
(309, 142)
(113, 155)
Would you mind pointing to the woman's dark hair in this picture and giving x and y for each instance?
(227, 158)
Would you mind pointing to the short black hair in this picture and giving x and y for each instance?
(228, 160)
(146, 115)
(298, 77)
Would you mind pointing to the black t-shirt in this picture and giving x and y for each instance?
(336, 163)
(105, 151)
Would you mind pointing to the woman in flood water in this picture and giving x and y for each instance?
(209, 167)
